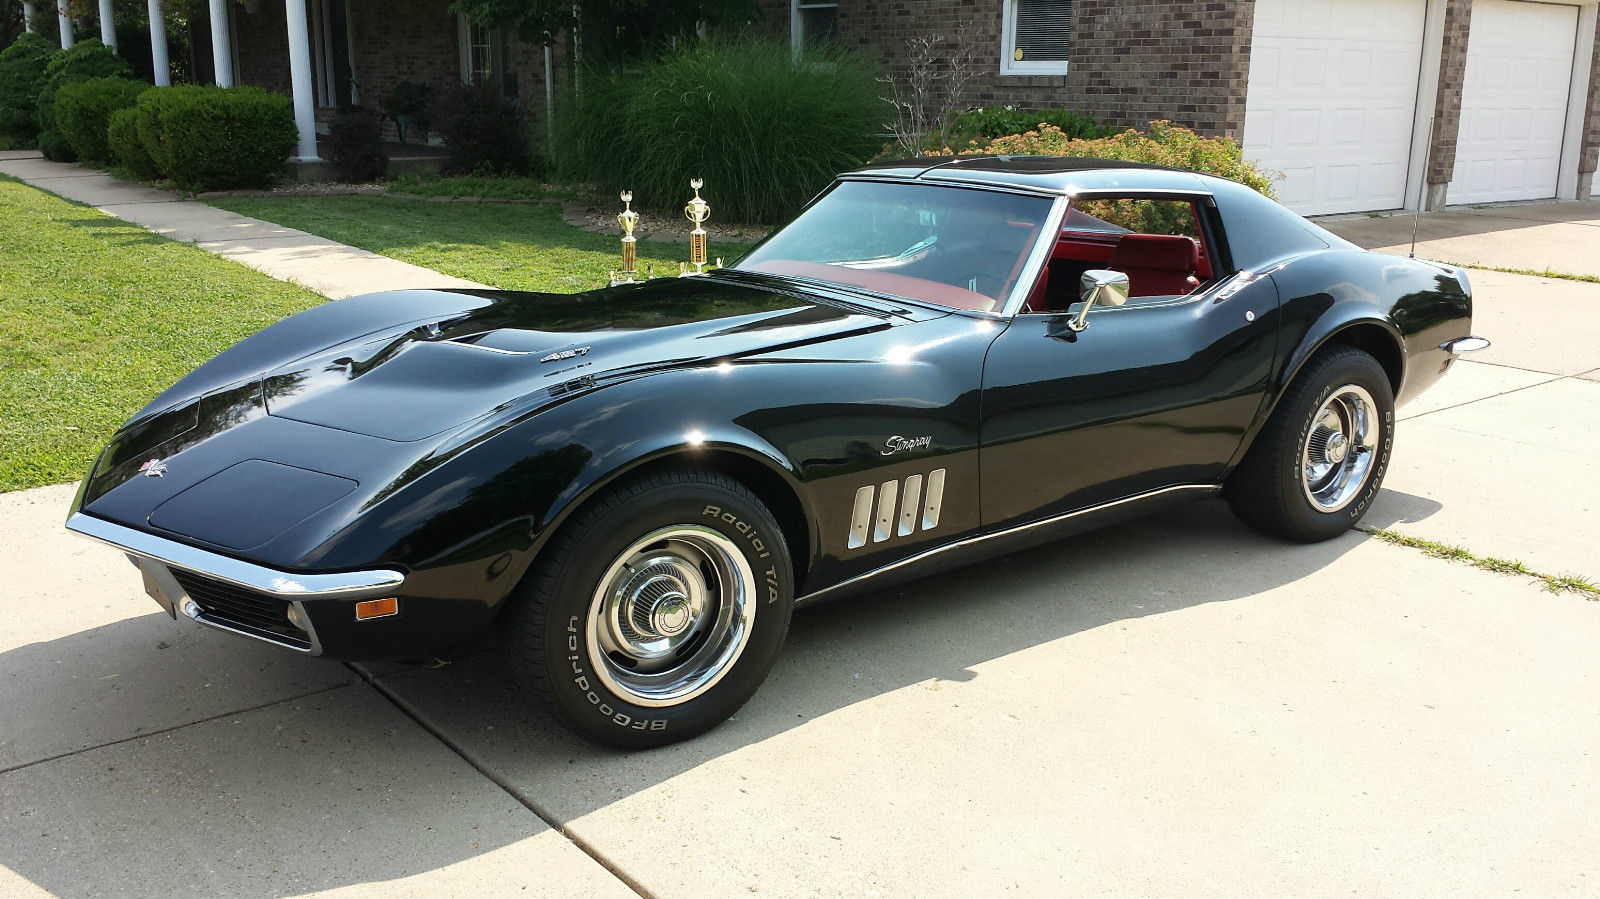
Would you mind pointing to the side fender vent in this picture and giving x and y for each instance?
(896, 509)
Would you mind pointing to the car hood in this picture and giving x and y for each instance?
(418, 380)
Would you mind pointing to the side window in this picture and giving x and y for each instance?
(1158, 243)
(1144, 216)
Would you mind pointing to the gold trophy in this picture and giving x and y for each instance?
(697, 211)
(629, 220)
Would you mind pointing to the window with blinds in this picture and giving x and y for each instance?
(1037, 37)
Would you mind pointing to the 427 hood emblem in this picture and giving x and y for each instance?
(565, 354)
(898, 444)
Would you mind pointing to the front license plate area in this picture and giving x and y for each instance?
(152, 586)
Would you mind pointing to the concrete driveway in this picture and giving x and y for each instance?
(1175, 707)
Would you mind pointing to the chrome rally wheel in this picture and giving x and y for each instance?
(671, 615)
(1318, 462)
(656, 609)
(1339, 448)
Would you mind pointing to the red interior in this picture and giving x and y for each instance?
(1157, 265)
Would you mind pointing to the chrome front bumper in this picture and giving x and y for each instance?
(157, 556)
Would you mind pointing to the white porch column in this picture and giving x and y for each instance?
(221, 44)
(65, 23)
(158, 44)
(108, 25)
(305, 115)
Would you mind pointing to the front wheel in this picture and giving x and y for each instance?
(1319, 460)
(657, 611)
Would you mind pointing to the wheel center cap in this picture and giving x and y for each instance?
(670, 615)
(1338, 447)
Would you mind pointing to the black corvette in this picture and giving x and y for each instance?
(936, 361)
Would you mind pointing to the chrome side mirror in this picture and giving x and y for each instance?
(1099, 286)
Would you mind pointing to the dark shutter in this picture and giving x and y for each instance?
(1044, 30)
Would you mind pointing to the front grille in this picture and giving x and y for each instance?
(262, 614)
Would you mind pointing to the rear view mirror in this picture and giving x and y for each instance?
(1099, 286)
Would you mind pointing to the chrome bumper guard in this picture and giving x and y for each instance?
(1464, 345)
(155, 556)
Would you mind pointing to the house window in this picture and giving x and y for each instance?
(480, 53)
(1035, 36)
(813, 25)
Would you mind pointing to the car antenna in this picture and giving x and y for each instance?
(1422, 188)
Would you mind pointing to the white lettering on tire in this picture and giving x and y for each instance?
(581, 681)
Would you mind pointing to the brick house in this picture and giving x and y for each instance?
(1336, 94)
(1341, 96)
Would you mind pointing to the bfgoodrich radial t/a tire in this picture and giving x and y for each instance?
(655, 612)
(1319, 461)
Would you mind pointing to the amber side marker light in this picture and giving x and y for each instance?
(377, 608)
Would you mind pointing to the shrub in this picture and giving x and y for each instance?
(1164, 144)
(55, 147)
(213, 138)
(83, 110)
(22, 77)
(480, 128)
(355, 145)
(979, 126)
(127, 151)
(87, 59)
(765, 132)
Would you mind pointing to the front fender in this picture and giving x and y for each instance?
(469, 525)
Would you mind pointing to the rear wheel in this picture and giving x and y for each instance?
(1319, 461)
(657, 611)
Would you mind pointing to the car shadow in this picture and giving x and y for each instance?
(333, 788)
(1392, 507)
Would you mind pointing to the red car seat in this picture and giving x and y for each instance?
(1157, 265)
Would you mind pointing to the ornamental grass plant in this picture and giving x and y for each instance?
(765, 131)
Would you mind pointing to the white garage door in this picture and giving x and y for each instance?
(1513, 101)
(1332, 98)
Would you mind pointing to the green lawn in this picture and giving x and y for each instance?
(511, 246)
(100, 316)
(503, 187)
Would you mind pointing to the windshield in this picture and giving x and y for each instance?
(957, 247)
